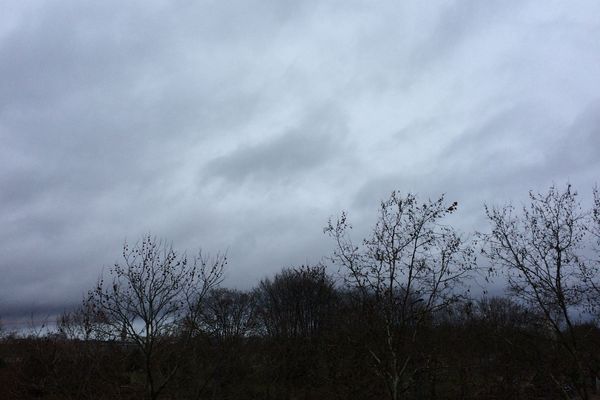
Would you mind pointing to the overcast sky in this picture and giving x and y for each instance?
(242, 126)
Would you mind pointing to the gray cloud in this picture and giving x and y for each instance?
(318, 140)
(245, 125)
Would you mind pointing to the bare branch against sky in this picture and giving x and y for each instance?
(244, 125)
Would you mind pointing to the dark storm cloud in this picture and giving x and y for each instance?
(300, 150)
(245, 125)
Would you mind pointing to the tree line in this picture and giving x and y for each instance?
(398, 320)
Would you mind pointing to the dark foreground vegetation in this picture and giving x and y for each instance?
(398, 321)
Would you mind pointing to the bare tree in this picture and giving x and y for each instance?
(539, 249)
(78, 324)
(591, 269)
(295, 310)
(297, 302)
(410, 267)
(148, 296)
(228, 314)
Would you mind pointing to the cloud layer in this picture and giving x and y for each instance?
(244, 125)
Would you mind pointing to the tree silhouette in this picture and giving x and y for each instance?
(409, 268)
(146, 299)
(539, 249)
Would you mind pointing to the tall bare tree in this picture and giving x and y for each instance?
(539, 249)
(591, 269)
(410, 267)
(145, 299)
